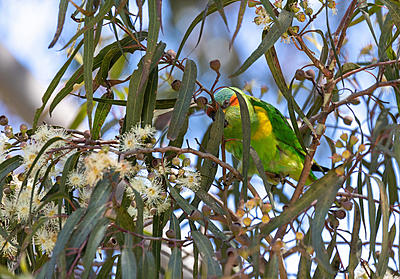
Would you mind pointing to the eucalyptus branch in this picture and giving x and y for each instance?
(349, 99)
(183, 150)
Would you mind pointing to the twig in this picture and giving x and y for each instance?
(184, 150)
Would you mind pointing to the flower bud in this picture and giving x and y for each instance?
(186, 162)
(301, 17)
(339, 144)
(344, 137)
(309, 11)
(176, 161)
(23, 128)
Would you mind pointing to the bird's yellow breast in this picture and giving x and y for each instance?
(264, 125)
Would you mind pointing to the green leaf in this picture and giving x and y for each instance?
(182, 104)
(277, 29)
(316, 191)
(322, 207)
(220, 6)
(371, 214)
(102, 111)
(174, 269)
(154, 27)
(261, 172)
(156, 244)
(79, 117)
(246, 132)
(53, 84)
(272, 268)
(273, 63)
(9, 165)
(128, 44)
(355, 244)
(394, 11)
(387, 237)
(347, 67)
(88, 52)
(239, 21)
(95, 211)
(93, 243)
(188, 209)
(105, 8)
(199, 18)
(62, 239)
(62, 10)
(208, 169)
(150, 95)
(106, 267)
(128, 260)
(207, 252)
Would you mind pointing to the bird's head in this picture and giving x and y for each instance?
(224, 98)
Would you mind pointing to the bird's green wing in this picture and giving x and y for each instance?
(280, 127)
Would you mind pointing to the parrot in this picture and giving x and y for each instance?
(271, 136)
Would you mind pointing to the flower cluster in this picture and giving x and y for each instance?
(16, 210)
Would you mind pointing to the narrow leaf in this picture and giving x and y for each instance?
(102, 111)
(174, 269)
(62, 10)
(207, 252)
(246, 132)
(183, 100)
(128, 260)
(277, 29)
(62, 239)
(93, 243)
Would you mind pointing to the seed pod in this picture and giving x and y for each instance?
(340, 214)
(300, 75)
(170, 233)
(140, 156)
(347, 205)
(310, 74)
(206, 210)
(176, 84)
(215, 65)
(348, 120)
(196, 215)
(3, 120)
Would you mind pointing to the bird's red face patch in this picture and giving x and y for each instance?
(233, 101)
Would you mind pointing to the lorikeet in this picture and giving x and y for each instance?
(271, 136)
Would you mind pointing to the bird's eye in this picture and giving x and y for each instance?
(225, 104)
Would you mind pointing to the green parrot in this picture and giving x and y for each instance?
(271, 136)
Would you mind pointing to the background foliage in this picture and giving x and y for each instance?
(137, 185)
